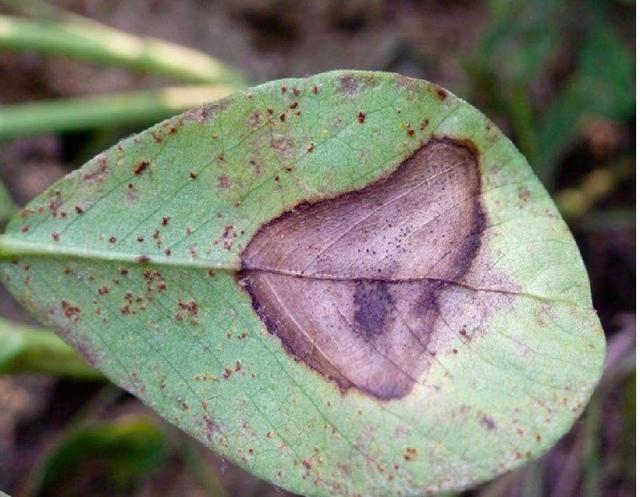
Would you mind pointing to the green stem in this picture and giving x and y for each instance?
(521, 114)
(79, 37)
(102, 111)
(575, 202)
(24, 349)
(591, 456)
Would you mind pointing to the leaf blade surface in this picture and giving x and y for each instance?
(151, 260)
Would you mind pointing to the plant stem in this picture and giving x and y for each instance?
(103, 111)
(598, 184)
(24, 349)
(79, 37)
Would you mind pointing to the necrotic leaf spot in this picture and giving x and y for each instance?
(357, 286)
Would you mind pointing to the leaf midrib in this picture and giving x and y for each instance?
(12, 248)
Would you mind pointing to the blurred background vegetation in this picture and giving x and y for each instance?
(557, 76)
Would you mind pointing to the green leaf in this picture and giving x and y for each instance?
(24, 349)
(7, 207)
(76, 36)
(347, 284)
(126, 449)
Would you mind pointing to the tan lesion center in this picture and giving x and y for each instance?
(360, 287)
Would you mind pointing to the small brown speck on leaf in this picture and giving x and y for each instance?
(223, 182)
(165, 220)
(410, 454)
(193, 174)
(55, 236)
(143, 259)
(70, 311)
(79, 210)
(141, 167)
(361, 117)
(440, 92)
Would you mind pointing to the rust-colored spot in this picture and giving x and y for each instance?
(410, 454)
(440, 92)
(141, 167)
(55, 237)
(79, 209)
(369, 287)
(361, 116)
(70, 311)
(223, 182)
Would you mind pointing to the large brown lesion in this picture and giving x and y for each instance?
(361, 287)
